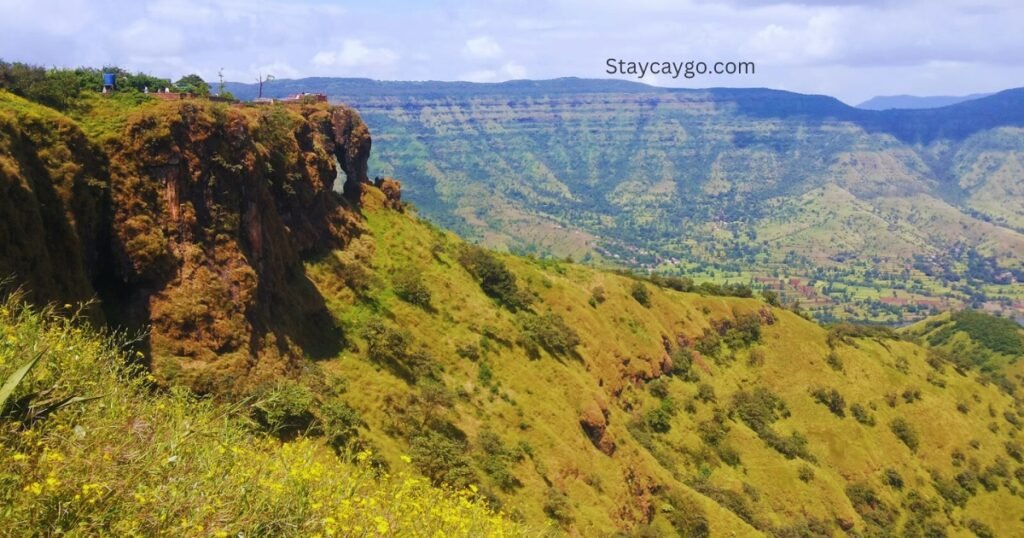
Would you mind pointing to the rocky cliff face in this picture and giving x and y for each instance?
(51, 203)
(194, 223)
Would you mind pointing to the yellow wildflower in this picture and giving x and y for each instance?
(34, 488)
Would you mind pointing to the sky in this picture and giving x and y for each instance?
(849, 49)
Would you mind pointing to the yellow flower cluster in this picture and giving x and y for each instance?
(138, 464)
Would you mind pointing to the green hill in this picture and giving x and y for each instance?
(882, 215)
(296, 324)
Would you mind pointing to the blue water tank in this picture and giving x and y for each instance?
(108, 79)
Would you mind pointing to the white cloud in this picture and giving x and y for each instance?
(850, 48)
(354, 53)
(509, 71)
(481, 48)
(514, 70)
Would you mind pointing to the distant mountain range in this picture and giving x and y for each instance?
(891, 211)
(890, 102)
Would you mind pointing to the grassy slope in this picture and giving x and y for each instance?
(136, 462)
(540, 402)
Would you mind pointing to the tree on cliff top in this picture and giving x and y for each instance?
(193, 84)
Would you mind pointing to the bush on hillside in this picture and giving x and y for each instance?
(285, 408)
(744, 331)
(497, 460)
(409, 287)
(557, 506)
(870, 506)
(639, 292)
(862, 415)
(805, 472)
(494, 276)
(844, 333)
(892, 478)
(442, 460)
(672, 282)
(687, 517)
(759, 408)
(834, 361)
(659, 419)
(682, 364)
(905, 433)
(548, 331)
(832, 399)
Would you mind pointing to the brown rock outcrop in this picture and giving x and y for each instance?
(193, 223)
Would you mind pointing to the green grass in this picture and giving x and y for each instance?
(539, 402)
(138, 461)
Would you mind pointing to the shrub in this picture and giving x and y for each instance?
(285, 408)
(758, 409)
(980, 529)
(548, 331)
(557, 507)
(340, 424)
(597, 296)
(714, 430)
(833, 361)
(658, 388)
(733, 501)
(485, 374)
(709, 344)
(794, 446)
(911, 395)
(745, 331)
(728, 454)
(706, 393)
(805, 472)
(409, 287)
(442, 460)
(468, 351)
(639, 292)
(497, 461)
(659, 419)
(682, 364)
(687, 517)
(905, 433)
(385, 343)
(494, 277)
(771, 297)
(845, 333)
(1015, 450)
(832, 399)
(892, 478)
(870, 507)
(862, 415)
(950, 490)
